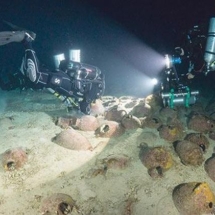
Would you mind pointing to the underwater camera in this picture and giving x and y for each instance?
(174, 91)
(83, 76)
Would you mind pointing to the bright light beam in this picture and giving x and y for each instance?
(154, 81)
(123, 57)
(133, 56)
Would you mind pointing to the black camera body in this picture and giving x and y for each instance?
(87, 80)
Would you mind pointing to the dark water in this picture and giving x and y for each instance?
(126, 41)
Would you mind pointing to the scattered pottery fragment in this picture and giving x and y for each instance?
(131, 104)
(141, 110)
(125, 99)
(63, 122)
(131, 122)
(194, 198)
(58, 204)
(115, 114)
(210, 167)
(171, 132)
(201, 123)
(14, 159)
(110, 101)
(199, 139)
(154, 100)
(190, 153)
(97, 170)
(110, 129)
(143, 121)
(156, 159)
(128, 102)
(97, 108)
(72, 139)
(116, 161)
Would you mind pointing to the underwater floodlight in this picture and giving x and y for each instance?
(167, 61)
(57, 59)
(171, 60)
(154, 81)
(75, 55)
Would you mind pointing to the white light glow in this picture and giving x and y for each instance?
(75, 55)
(154, 81)
(167, 61)
(57, 59)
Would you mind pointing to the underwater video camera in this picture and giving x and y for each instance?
(174, 91)
(83, 76)
(87, 81)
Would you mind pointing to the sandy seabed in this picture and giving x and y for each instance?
(53, 169)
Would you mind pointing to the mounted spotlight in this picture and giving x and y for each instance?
(57, 59)
(171, 60)
(154, 81)
(75, 55)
